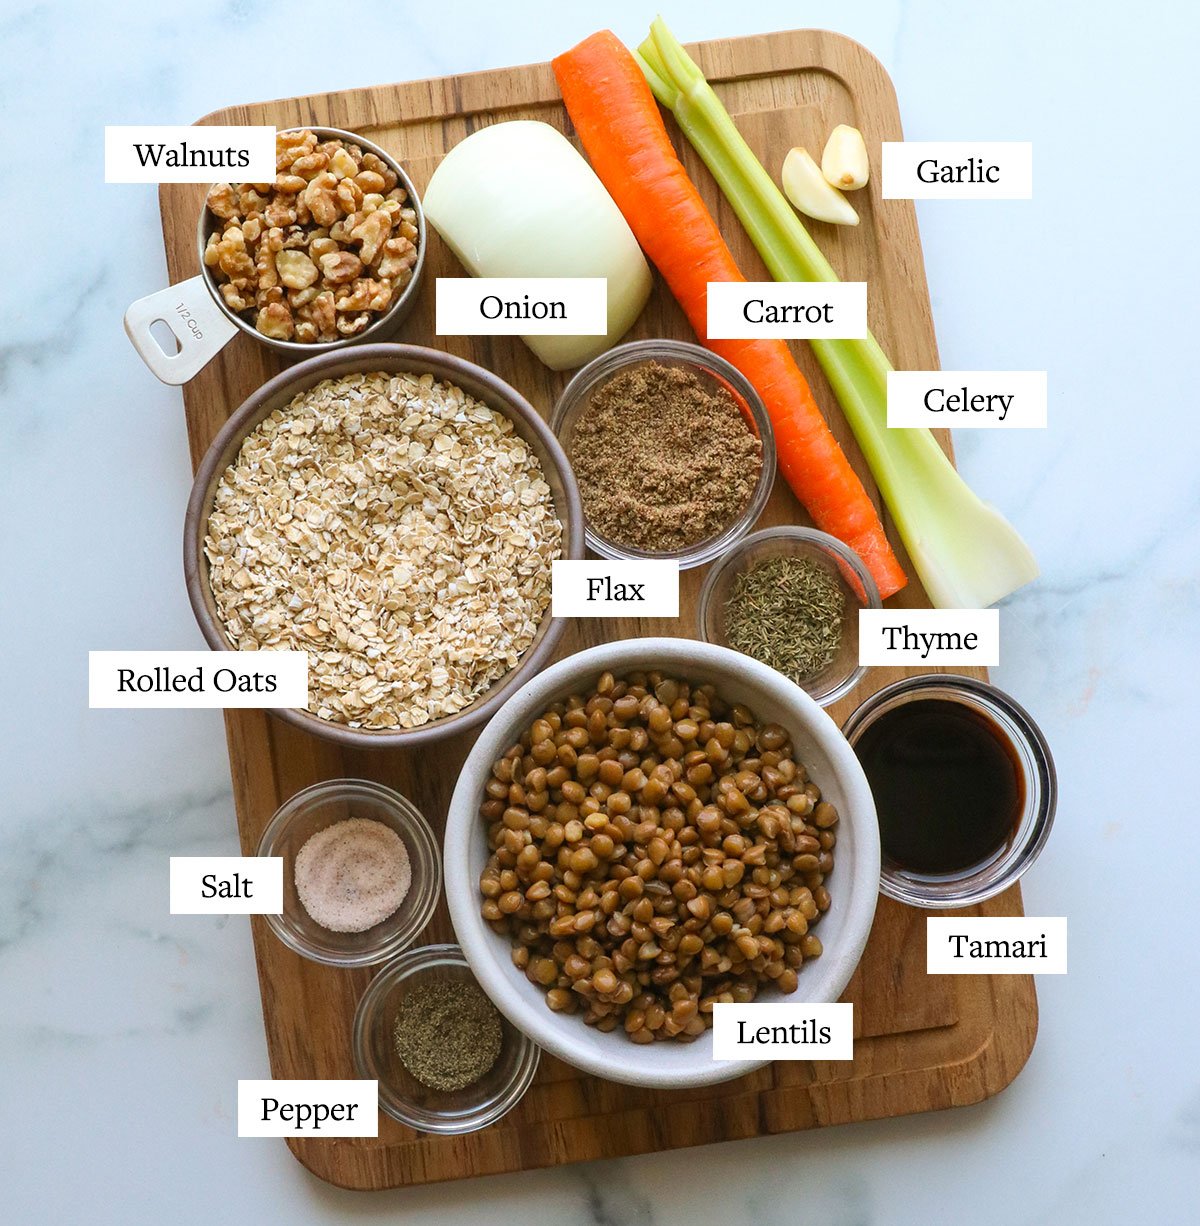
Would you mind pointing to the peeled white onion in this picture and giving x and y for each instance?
(517, 200)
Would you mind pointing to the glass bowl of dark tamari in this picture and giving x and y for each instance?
(402, 1094)
(964, 787)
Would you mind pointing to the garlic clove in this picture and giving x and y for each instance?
(844, 162)
(807, 189)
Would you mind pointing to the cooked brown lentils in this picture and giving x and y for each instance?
(655, 851)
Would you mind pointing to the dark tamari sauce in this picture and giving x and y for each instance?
(947, 784)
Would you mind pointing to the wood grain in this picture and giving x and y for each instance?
(924, 1042)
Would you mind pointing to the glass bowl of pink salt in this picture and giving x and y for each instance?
(361, 872)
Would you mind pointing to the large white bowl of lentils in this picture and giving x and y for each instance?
(681, 826)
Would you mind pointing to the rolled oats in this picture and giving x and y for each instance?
(399, 531)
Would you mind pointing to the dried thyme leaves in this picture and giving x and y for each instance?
(448, 1035)
(787, 612)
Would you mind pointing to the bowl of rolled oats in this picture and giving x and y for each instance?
(395, 512)
(328, 255)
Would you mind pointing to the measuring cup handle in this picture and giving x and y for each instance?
(200, 329)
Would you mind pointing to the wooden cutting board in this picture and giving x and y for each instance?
(923, 1042)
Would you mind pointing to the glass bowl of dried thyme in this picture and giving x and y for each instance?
(790, 597)
(671, 448)
(446, 1059)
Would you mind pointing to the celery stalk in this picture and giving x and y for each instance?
(965, 552)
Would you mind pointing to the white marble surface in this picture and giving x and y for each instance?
(123, 1031)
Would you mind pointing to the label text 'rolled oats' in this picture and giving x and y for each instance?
(226, 679)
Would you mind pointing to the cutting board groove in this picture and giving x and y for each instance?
(923, 1042)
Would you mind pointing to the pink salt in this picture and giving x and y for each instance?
(353, 875)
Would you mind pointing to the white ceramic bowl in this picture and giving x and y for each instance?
(854, 884)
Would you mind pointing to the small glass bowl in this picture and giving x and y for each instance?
(401, 1095)
(715, 373)
(844, 671)
(999, 871)
(320, 806)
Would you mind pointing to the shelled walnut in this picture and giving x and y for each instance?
(322, 252)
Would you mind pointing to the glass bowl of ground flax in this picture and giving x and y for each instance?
(671, 448)
(445, 1058)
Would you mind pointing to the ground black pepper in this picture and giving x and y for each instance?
(447, 1034)
(663, 460)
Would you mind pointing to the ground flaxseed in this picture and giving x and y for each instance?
(663, 461)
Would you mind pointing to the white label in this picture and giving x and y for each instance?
(739, 310)
(197, 679)
(957, 170)
(996, 945)
(226, 885)
(967, 399)
(181, 153)
(522, 306)
(783, 1032)
(308, 1108)
(615, 589)
(929, 636)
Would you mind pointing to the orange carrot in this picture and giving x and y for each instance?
(618, 121)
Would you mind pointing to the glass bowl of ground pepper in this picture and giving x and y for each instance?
(790, 596)
(445, 1058)
(672, 450)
